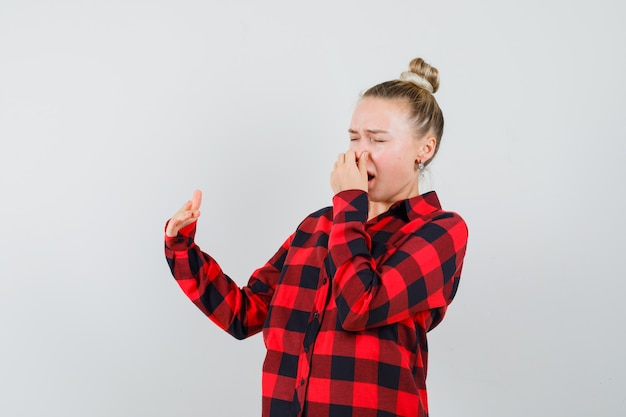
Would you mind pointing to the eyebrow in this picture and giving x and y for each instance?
(369, 131)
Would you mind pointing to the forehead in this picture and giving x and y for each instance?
(381, 114)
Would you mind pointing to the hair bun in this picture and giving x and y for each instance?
(422, 74)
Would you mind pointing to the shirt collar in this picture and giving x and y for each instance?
(419, 206)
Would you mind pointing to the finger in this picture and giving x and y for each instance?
(333, 183)
(362, 163)
(181, 217)
(171, 231)
(183, 210)
(196, 200)
(173, 226)
(353, 157)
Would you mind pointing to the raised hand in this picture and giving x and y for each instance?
(186, 215)
(348, 173)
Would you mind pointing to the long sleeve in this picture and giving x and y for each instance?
(421, 273)
(239, 311)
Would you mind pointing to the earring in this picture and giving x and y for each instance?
(420, 166)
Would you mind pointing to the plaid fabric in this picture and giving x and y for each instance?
(344, 305)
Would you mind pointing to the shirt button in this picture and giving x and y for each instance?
(324, 281)
(306, 349)
(302, 381)
(316, 316)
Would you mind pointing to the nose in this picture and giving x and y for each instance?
(360, 147)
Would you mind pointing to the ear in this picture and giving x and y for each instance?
(426, 149)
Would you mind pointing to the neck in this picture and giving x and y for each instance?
(376, 208)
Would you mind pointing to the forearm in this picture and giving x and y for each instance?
(418, 272)
(202, 280)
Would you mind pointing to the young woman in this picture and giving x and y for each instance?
(345, 303)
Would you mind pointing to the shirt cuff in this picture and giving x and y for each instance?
(350, 206)
(183, 240)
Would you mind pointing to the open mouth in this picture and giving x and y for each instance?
(369, 177)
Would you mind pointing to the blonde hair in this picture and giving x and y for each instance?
(416, 87)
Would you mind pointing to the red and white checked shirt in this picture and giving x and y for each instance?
(344, 305)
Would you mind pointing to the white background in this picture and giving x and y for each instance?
(112, 112)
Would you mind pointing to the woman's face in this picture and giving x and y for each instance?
(382, 128)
